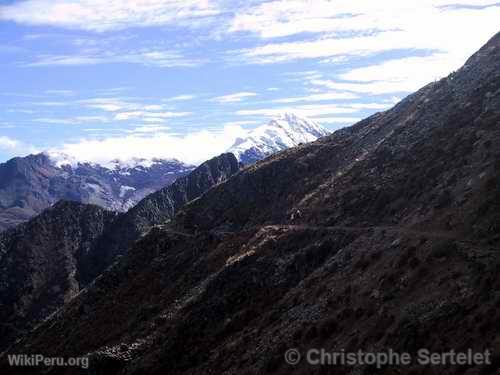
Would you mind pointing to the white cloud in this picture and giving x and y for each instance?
(113, 109)
(179, 98)
(191, 148)
(158, 58)
(8, 143)
(144, 114)
(406, 74)
(302, 110)
(65, 60)
(77, 120)
(106, 107)
(153, 120)
(318, 97)
(148, 129)
(337, 120)
(373, 88)
(232, 98)
(448, 30)
(125, 108)
(241, 123)
(50, 104)
(98, 15)
(107, 104)
(60, 92)
(153, 107)
(315, 110)
(281, 18)
(20, 110)
(15, 146)
(123, 116)
(300, 76)
(384, 105)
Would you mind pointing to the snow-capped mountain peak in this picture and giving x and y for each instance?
(60, 159)
(286, 131)
(36, 182)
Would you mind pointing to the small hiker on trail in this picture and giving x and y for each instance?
(295, 215)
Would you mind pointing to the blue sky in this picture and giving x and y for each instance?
(100, 79)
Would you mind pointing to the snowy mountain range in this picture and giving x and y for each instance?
(29, 185)
(287, 131)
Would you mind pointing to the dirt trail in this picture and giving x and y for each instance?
(476, 250)
(387, 229)
(352, 229)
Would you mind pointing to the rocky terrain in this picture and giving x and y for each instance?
(49, 259)
(288, 130)
(382, 235)
(31, 184)
(156, 209)
(41, 263)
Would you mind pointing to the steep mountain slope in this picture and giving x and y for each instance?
(163, 204)
(29, 185)
(383, 235)
(40, 262)
(158, 208)
(49, 259)
(286, 131)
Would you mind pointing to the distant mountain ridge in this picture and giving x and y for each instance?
(30, 184)
(51, 258)
(286, 131)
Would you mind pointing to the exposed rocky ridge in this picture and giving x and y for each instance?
(49, 259)
(383, 235)
(163, 204)
(158, 208)
(31, 184)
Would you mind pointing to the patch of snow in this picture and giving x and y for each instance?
(121, 167)
(60, 159)
(93, 187)
(125, 189)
